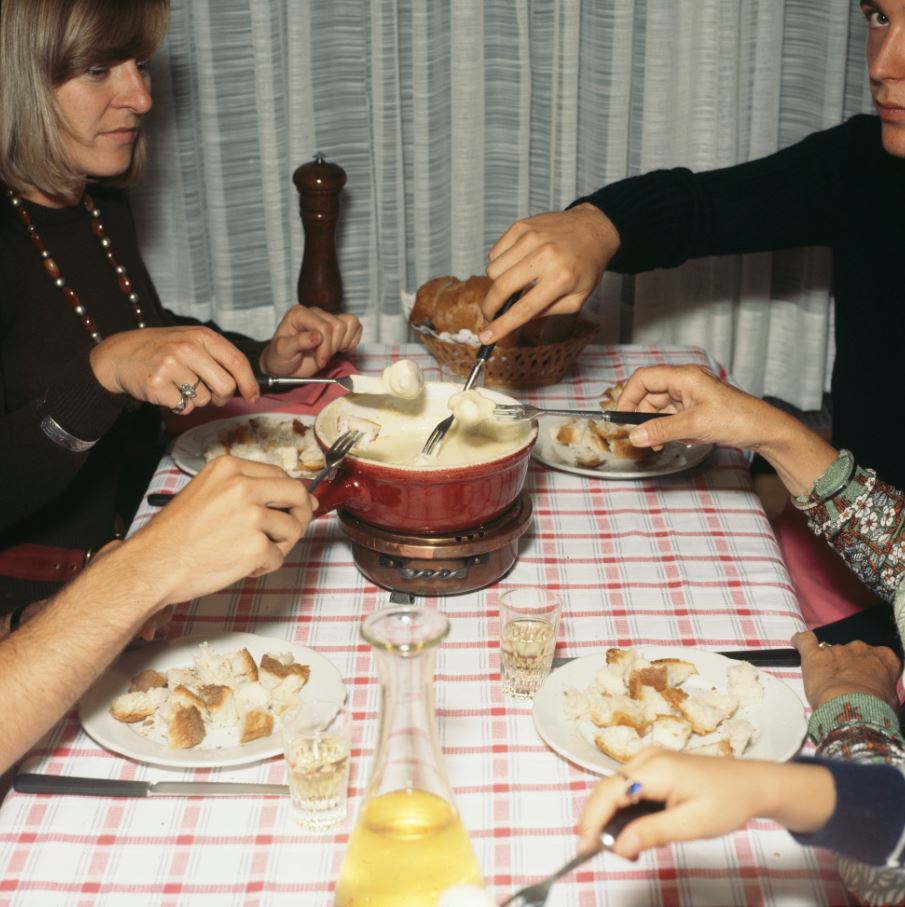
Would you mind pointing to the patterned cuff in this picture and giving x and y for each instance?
(861, 709)
(823, 515)
(836, 477)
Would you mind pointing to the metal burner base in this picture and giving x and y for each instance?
(447, 563)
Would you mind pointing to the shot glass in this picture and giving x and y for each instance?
(316, 745)
(529, 620)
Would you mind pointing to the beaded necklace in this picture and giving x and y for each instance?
(53, 269)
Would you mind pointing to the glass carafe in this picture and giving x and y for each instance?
(408, 845)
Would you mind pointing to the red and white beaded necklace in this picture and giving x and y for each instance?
(53, 269)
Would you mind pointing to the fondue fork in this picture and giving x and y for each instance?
(271, 383)
(334, 453)
(536, 895)
(522, 412)
(481, 357)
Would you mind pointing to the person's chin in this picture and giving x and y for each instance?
(893, 137)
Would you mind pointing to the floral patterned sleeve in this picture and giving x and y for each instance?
(862, 728)
(863, 519)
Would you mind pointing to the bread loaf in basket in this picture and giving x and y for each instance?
(447, 318)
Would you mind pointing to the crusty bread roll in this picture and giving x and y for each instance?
(447, 304)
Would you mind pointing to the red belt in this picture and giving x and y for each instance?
(43, 563)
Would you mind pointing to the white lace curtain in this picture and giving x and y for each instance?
(453, 118)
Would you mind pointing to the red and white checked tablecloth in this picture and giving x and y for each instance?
(688, 559)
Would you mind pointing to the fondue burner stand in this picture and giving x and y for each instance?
(443, 563)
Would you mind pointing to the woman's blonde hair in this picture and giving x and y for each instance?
(44, 43)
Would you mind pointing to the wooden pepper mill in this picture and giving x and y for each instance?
(319, 184)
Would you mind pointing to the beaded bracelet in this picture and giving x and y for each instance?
(836, 477)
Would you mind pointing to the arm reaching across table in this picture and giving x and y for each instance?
(860, 516)
(236, 518)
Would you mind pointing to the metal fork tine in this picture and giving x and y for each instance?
(334, 453)
(436, 436)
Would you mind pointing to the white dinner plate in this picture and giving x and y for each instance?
(188, 448)
(780, 719)
(324, 682)
(673, 458)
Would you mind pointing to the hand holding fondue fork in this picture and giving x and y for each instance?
(481, 357)
(332, 455)
(522, 412)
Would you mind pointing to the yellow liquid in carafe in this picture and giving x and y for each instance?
(406, 849)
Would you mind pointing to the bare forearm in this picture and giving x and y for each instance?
(798, 455)
(800, 797)
(48, 663)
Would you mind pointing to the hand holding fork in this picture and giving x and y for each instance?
(536, 895)
(522, 412)
(332, 455)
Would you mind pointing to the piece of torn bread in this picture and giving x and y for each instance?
(348, 422)
(185, 728)
(139, 704)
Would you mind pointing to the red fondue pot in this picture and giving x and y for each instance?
(422, 499)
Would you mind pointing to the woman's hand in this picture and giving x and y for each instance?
(708, 410)
(562, 253)
(306, 340)
(831, 671)
(153, 363)
(706, 796)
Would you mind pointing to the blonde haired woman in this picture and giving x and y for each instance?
(84, 339)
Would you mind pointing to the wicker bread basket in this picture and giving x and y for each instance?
(514, 366)
(447, 314)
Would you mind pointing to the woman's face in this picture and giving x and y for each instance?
(102, 109)
(886, 68)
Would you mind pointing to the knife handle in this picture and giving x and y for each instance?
(89, 787)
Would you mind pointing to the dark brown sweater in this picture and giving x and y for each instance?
(49, 495)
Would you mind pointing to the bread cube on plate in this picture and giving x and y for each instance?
(619, 743)
(256, 723)
(670, 732)
(148, 679)
(707, 710)
(138, 705)
(185, 728)
(745, 684)
(220, 704)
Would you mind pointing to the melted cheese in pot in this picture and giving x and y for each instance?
(406, 424)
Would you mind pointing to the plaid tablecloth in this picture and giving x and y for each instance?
(687, 559)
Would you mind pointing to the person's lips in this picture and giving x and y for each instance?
(891, 113)
(124, 136)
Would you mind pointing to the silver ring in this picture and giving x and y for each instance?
(189, 391)
(824, 645)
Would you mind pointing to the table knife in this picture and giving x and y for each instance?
(111, 787)
(765, 658)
